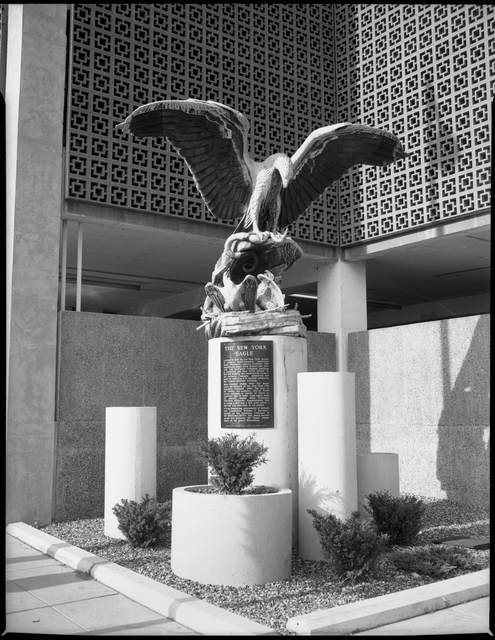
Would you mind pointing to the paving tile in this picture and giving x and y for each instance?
(113, 614)
(17, 599)
(470, 617)
(19, 549)
(11, 540)
(163, 628)
(64, 587)
(47, 574)
(24, 563)
(46, 621)
(476, 608)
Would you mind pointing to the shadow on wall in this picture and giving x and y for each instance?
(359, 363)
(314, 495)
(463, 429)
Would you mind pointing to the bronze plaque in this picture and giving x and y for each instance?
(247, 384)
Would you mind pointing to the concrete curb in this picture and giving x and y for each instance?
(394, 607)
(207, 619)
(200, 616)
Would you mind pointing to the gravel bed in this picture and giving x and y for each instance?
(311, 585)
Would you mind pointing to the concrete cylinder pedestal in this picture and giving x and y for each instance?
(289, 359)
(376, 472)
(231, 540)
(327, 452)
(130, 459)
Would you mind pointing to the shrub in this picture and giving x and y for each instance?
(436, 562)
(232, 460)
(353, 546)
(398, 517)
(144, 523)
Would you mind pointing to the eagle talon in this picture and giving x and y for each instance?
(259, 237)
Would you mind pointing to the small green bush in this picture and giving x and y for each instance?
(437, 562)
(353, 546)
(232, 460)
(398, 517)
(144, 523)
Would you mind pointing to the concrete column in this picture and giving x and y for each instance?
(34, 103)
(289, 359)
(327, 452)
(130, 459)
(342, 303)
(377, 472)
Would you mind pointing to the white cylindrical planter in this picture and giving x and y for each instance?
(376, 472)
(327, 452)
(289, 359)
(231, 540)
(130, 459)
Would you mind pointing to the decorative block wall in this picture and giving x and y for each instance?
(272, 62)
(425, 72)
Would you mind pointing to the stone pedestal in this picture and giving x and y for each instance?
(327, 452)
(289, 359)
(130, 459)
(238, 541)
(376, 472)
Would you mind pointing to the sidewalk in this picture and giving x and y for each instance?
(467, 618)
(50, 590)
(44, 596)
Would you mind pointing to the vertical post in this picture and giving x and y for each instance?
(79, 265)
(327, 452)
(63, 275)
(36, 57)
(130, 459)
(342, 303)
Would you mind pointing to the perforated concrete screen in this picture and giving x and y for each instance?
(272, 62)
(424, 72)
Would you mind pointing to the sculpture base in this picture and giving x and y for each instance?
(289, 360)
(283, 322)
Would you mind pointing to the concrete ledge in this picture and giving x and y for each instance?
(208, 619)
(200, 616)
(394, 607)
(190, 611)
(65, 553)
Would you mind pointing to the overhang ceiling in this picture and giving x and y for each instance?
(126, 267)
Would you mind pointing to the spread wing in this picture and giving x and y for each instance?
(326, 155)
(212, 139)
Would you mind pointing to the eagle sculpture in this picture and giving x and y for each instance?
(266, 197)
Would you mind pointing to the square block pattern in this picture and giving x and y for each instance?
(272, 62)
(424, 72)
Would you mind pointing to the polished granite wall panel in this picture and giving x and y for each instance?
(422, 391)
